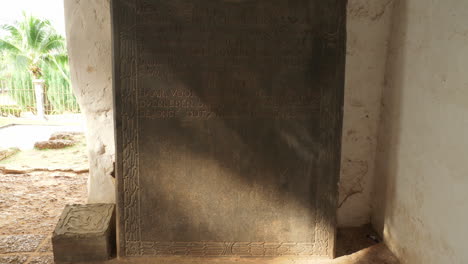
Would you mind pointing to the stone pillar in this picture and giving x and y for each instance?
(39, 91)
(89, 47)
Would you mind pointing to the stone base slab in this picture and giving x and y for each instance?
(85, 233)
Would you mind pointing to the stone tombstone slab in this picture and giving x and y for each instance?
(228, 123)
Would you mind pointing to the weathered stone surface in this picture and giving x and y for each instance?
(84, 233)
(228, 117)
(54, 144)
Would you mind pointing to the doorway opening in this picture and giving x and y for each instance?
(43, 153)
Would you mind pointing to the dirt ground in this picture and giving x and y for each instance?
(30, 203)
(32, 199)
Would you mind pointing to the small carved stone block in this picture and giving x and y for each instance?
(85, 233)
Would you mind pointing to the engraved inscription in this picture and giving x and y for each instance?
(232, 49)
(228, 118)
(183, 103)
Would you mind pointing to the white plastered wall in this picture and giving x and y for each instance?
(422, 168)
(88, 32)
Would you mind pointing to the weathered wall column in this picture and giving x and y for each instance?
(89, 48)
(369, 24)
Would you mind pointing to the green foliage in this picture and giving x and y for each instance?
(7, 110)
(58, 91)
(30, 43)
(32, 49)
(22, 90)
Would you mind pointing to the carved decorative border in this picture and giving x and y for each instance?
(219, 249)
(128, 92)
(333, 47)
(330, 122)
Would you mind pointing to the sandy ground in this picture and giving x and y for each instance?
(74, 158)
(31, 201)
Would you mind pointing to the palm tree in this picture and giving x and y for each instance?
(33, 44)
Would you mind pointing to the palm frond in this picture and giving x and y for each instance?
(6, 46)
(59, 62)
(34, 41)
(13, 31)
(52, 43)
(15, 62)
